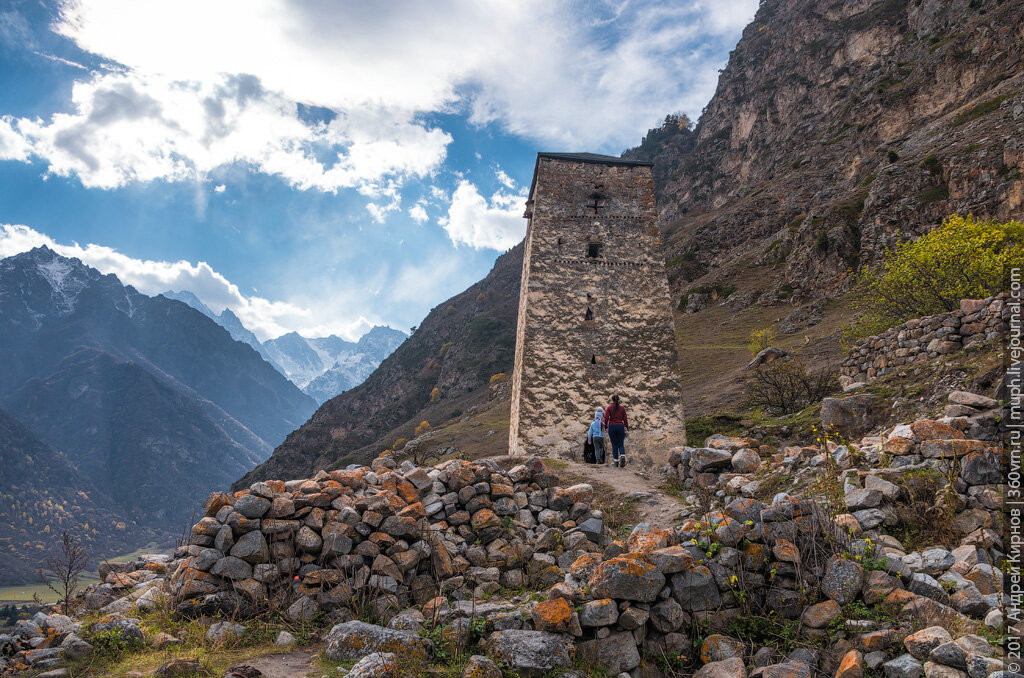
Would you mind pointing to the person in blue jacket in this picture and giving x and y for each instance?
(596, 435)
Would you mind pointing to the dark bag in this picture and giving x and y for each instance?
(588, 452)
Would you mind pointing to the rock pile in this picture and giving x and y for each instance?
(395, 534)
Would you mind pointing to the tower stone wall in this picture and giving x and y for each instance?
(594, 311)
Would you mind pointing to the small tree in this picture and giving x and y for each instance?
(760, 340)
(788, 386)
(964, 258)
(60, 573)
(421, 428)
(435, 393)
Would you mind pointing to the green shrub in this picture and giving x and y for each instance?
(965, 258)
(934, 194)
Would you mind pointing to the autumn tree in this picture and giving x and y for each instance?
(61, 572)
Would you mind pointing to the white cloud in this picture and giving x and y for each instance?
(264, 317)
(473, 221)
(505, 180)
(418, 213)
(126, 127)
(581, 76)
(219, 188)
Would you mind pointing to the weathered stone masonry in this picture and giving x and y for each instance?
(976, 322)
(594, 312)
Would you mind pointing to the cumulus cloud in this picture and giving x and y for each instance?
(127, 127)
(264, 317)
(473, 220)
(418, 213)
(588, 76)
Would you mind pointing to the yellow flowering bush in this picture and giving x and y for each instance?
(965, 258)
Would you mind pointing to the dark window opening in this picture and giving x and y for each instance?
(559, 242)
(593, 250)
(589, 315)
(593, 359)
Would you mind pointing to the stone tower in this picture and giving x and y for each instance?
(594, 311)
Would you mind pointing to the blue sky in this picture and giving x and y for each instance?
(316, 165)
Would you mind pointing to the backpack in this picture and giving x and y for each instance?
(588, 453)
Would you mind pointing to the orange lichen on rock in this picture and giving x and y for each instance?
(552, 615)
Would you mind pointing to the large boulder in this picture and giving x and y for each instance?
(627, 577)
(616, 653)
(530, 653)
(852, 414)
(355, 639)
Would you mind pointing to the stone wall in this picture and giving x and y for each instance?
(594, 312)
(976, 322)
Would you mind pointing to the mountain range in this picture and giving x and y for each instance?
(322, 367)
(143, 397)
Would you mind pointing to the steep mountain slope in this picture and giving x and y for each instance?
(226, 319)
(457, 348)
(52, 306)
(151, 448)
(839, 126)
(41, 494)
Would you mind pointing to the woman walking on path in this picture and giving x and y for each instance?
(595, 435)
(617, 424)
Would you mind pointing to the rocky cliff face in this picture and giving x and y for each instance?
(839, 126)
(459, 346)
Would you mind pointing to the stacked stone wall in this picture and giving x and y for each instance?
(977, 322)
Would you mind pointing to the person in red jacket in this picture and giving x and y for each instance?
(617, 423)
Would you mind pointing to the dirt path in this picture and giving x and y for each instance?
(655, 506)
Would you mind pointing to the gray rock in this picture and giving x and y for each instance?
(252, 506)
(222, 632)
(232, 568)
(303, 609)
(746, 461)
(479, 666)
(727, 668)
(284, 639)
(889, 490)
(904, 666)
(870, 518)
(851, 414)
(949, 654)
(375, 665)
(936, 561)
(668, 616)
(843, 580)
(531, 653)
(593, 528)
(923, 585)
(975, 400)
(924, 641)
(616, 653)
(252, 548)
(354, 639)
(705, 459)
(602, 612)
(73, 647)
(857, 499)
(695, 589)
